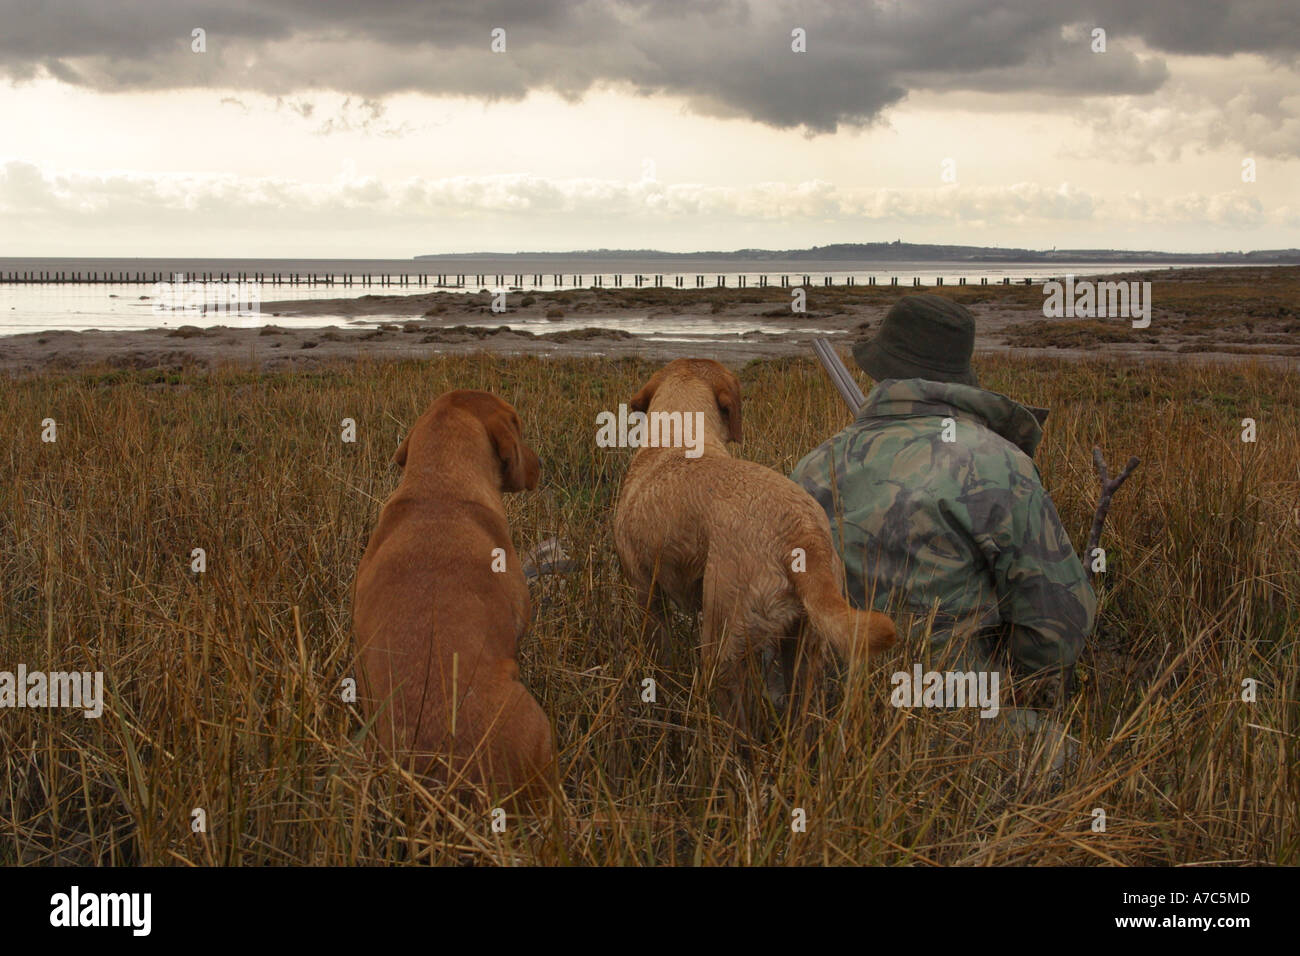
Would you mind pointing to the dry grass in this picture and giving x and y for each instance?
(223, 688)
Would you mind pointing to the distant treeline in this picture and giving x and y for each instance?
(903, 251)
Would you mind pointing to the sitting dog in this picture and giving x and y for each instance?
(747, 546)
(440, 604)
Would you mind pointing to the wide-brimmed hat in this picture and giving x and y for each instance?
(922, 336)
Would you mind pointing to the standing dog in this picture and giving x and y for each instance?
(441, 603)
(747, 546)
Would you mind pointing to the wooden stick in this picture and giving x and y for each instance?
(1108, 487)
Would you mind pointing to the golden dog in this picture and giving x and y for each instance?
(440, 604)
(742, 543)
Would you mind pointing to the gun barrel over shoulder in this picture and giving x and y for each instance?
(839, 375)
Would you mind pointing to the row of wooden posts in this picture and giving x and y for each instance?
(444, 280)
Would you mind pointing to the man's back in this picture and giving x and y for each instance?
(936, 506)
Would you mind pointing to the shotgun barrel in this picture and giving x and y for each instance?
(839, 375)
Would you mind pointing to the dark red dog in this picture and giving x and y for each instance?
(441, 603)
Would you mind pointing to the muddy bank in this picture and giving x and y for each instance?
(1199, 315)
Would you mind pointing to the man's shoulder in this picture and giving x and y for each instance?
(977, 413)
(877, 460)
(932, 435)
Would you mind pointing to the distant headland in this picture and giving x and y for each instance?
(902, 252)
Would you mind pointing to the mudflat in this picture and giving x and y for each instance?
(1215, 314)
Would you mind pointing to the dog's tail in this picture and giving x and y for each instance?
(848, 631)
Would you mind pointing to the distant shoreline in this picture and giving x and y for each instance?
(882, 252)
(93, 296)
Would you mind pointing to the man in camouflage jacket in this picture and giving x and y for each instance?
(938, 510)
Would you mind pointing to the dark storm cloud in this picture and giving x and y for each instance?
(1220, 27)
(726, 57)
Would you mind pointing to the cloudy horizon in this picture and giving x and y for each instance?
(394, 129)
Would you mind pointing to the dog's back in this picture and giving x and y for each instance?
(433, 619)
(753, 537)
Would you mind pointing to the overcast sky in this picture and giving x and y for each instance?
(391, 128)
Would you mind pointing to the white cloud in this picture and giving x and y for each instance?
(1249, 104)
(71, 197)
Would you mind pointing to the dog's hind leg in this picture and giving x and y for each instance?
(722, 642)
(802, 665)
(656, 615)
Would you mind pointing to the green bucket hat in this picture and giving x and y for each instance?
(922, 336)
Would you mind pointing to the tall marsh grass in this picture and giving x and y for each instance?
(223, 688)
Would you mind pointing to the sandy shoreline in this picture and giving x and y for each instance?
(1208, 317)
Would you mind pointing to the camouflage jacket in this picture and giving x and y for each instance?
(959, 531)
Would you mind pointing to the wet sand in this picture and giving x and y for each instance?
(1243, 320)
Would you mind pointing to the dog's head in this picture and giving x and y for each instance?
(520, 466)
(725, 386)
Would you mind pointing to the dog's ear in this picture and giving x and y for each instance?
(641, 401)
(520, 467)
(399, 457)
(727, 393)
